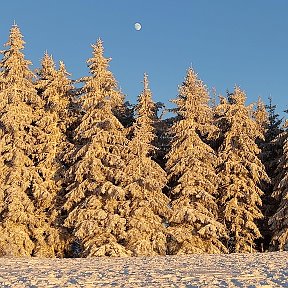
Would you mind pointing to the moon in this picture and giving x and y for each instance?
(137, 26)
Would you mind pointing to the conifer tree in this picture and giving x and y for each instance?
(95, 199)
(148, 209)
(240, 171)
(54, 88)
(274, 123)
(272, 145)
(261, 116)
(279, 221)
(193, 226)
(271, 150)
(24, 226)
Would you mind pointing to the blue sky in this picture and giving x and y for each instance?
(227, 42)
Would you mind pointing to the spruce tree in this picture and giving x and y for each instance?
(24, 225)
(261, 116)
(274, 123)
(271, 150)
(54, 87)
(272, 145)
(279, 220)
(148, 209)
(57, 91)
(240, 171)
(95, 199)
(193, 225)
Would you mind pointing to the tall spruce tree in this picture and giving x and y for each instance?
(95, 199)
(240, 171)
(148, 209)
(54, 88)
(194, 227)
(261, 116)
(24, 224)
(271, 150)
(279, 220)
(274, 123)
(273, 143)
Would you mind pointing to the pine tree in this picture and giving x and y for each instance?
(279, 221)
(24, 226)
(148, 209)
(273, 143)
(240, 171)
(271, 149)
(54, 88)
(261, 116)
(194, 227)
(274, 123)
(95, 199)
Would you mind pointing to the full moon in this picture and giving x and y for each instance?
(137, 26)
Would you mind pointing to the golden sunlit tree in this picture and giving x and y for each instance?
(240, 171)
(193, 226)
(261, 116)
(54, 88)
(95, 199)
(24, 224)
(148, 206)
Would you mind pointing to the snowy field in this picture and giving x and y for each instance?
(237, 270)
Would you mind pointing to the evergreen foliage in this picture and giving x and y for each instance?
(269, 124)
(194, 227)
(95, 199)
(148, 211)
(240, 171)
(84, 173)
(274, 123)
(54, 87)
(279, 221)
(24, 226)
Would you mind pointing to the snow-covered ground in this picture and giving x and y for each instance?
(235, 270)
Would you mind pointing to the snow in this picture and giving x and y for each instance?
(234, 270)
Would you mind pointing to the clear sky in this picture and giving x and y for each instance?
(227, 42)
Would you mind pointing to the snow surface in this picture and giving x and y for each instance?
(234, 270)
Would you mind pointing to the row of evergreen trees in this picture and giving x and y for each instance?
(83, 173)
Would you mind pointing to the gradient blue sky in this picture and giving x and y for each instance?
(227, 42)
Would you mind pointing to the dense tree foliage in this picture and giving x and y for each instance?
(194, 227)
(241, 173)
(84, 173)
(148, 206)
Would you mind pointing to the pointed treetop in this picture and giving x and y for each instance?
(48, 68)
(261, 115)
(47, 58)
(191, 80)
(62, 68)
(145, 98)
(238, 96)
(15, 39)
(98, 48)
(191, 75)
(98, 63)
(146, 82)
(260, 105)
